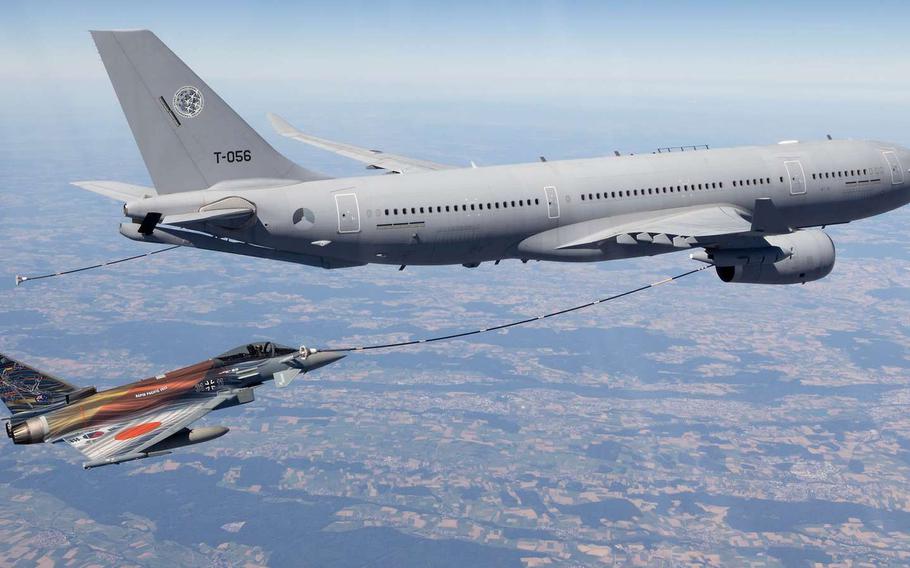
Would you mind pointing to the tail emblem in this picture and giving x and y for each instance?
(188, 102)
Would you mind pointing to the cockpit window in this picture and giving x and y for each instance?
(253, 351)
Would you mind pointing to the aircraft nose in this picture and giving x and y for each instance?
(320, 359)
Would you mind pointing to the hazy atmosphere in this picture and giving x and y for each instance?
(700, 422)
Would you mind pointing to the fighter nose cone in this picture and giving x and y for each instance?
(320, 359)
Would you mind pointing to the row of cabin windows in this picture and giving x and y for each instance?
(615, 194)
(463, 207)
(840, 174)
(652, 191)
(754, 181)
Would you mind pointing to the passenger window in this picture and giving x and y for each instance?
(513, 204)
(782, 179)
(864, 171)
(537, 201)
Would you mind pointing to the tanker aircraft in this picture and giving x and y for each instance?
(754, 212)
(150, 417)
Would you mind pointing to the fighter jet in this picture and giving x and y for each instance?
(753, 212)
(146, 418)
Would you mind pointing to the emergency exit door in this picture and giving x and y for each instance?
(897, 174)
(552, 202)
(348, 213)
(797, 177)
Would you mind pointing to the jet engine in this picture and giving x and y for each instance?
(795, 258)
(31, 431)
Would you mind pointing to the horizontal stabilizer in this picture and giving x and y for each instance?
(120, 191)
(185, 219)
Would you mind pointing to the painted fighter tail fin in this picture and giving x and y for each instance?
(189, 137)
(25, 390)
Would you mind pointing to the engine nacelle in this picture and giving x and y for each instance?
(796, 258)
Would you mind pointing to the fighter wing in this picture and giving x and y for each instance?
(685, 227)
(374, 159)
(24, 389)
(135, 438)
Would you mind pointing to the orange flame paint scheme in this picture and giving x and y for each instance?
(148, 417)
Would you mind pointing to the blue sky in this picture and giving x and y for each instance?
(635, 75)
(854, 50)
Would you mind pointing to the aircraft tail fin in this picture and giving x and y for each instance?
(189, 137)
(26, 390)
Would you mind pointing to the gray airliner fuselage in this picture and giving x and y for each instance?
(220, 186)
(531, 211)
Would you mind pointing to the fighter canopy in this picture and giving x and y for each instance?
(253, 351)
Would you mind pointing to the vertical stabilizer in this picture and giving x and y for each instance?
(189, 138)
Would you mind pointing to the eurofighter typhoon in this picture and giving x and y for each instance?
(753, 212)
(150, 417)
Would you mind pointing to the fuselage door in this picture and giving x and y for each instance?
(552, 202)
(797, 177)
(897, 174)
(348, 212)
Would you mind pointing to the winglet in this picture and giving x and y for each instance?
(281, 126)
